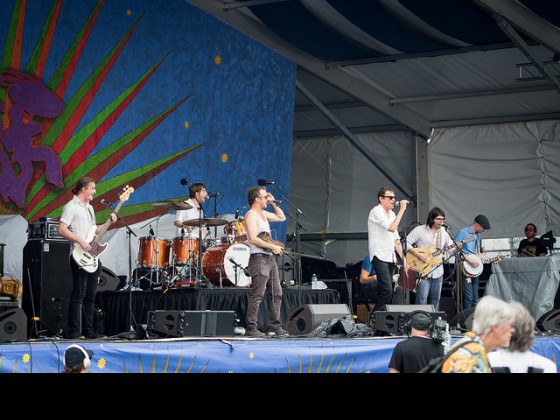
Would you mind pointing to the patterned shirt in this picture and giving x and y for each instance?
(470, 358)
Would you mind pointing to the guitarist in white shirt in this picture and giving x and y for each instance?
(428, 289)
(76, 223)
(472, 254)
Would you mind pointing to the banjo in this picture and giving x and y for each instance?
(470, 271)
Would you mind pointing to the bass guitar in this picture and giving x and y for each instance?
(432, 256)
(265, 236)
(88, 260)
(471, 271)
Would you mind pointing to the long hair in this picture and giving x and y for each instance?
(435, 212)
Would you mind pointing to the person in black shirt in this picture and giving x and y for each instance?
(531, 246)
(412, 354)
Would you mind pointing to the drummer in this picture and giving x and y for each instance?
(197, 196)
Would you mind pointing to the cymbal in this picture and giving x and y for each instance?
(175, 205)
(206, 221)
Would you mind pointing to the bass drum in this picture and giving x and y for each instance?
(218, 263)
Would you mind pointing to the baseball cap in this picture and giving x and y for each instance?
(74, 356)
(482, 220)
(421, 321)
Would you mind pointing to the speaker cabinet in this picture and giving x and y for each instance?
(463, 319)
(107, 280)
(13, 324)
(307, 317)
(550, 321)
(391, 319)
(47, 286)
(192, 323)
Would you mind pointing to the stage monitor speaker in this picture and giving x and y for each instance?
(391, 319)
(463, 319)
(180, 323)
(107, 281)
(13, 324)
(47, 286)
(550, 321)
(307, 317)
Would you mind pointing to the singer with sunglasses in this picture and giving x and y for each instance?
(384, 241)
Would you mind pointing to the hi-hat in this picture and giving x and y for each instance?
(207, 221)
(175, 205)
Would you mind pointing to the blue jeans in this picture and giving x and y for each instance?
(429, 291)
(384, 271)
(469, 293)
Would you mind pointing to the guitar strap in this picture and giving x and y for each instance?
(438, 239)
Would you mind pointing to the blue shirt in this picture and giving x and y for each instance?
(469, 247)
(368, 266)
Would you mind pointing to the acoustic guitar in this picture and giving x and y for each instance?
(432, 256)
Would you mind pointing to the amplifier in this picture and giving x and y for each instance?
(43, 230)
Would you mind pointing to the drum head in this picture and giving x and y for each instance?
(228, 261)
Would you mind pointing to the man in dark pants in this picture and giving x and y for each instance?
(383, 241)
(78, 225)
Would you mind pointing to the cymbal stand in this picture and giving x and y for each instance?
(299, 226)
(129, 233)
(199, 265)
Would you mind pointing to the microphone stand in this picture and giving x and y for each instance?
(297, 261)
(129, 233)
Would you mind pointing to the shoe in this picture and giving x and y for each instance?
(254, 333)
(279, 332)
(75, 337)
(95, 336)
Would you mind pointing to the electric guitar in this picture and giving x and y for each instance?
(432, 256)
(89, 260)
(471, 271)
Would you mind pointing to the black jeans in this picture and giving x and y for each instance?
(384, 271)
(84, 288)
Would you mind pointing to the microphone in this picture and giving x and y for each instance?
(445, 226)
(214, 194)
(152, 232)
(263, 182)
(184, 181)
(236, 214)
(277, 202)
(398, 203)
(103, 201)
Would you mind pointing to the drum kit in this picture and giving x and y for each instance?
(184, 260)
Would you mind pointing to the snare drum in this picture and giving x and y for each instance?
(218, 262)
(153, 252)
(184, 248)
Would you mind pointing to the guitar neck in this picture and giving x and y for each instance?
(106, 225)
(299, 254)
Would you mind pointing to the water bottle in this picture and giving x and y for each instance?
(314, 281)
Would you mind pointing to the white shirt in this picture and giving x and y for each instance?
(424, 237)
(520, 362)
(190, 214)
(381, 242)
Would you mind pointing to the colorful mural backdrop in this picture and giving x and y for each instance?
(136, 93)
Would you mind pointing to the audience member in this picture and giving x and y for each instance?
(492, 329)
(531, 246)
(412, 354)
(518, 357)
(77, 359)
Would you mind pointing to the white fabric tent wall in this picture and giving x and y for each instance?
(335, 187)
(510, 173)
